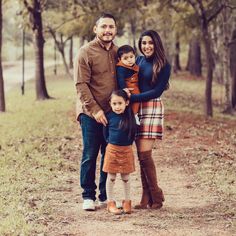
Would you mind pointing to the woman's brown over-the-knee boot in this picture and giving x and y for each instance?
(151, 178)
(146, 196)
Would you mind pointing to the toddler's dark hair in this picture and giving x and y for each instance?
(128, 120)
(124, 49)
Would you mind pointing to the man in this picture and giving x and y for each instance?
(95, 80)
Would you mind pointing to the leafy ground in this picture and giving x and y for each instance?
(40, 150)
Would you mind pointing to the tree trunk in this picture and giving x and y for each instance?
(81, 41)
(177, 66)
(226, 72)
(194, 65)
(133, 31)
(217, 35)
(71, 53)
(232, 53)
(210, 65)
(64, 62)
(2, 94)
(41, 91)
(61, 48)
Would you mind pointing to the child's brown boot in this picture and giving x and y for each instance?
(111, 207)
(126, 204)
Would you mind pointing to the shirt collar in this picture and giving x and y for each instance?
(102, 45)
(134, 67)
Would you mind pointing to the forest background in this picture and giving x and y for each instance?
(200, 42)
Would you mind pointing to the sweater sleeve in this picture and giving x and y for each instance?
(120, 75)
(106, 133)
(157, 90)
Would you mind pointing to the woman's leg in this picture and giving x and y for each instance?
(143, 149)
(126, 203)
(144, 144)
(148, 173)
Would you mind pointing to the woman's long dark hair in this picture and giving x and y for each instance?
(159, 57)
(128, 122)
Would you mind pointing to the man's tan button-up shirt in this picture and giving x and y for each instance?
(95, 78)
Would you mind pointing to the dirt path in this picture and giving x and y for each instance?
(191, 207)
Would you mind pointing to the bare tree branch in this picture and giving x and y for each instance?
(230, 7)
(28, 7)
(216, 13)
(194, 6)
(65, 22)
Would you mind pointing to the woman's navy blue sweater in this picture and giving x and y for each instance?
(149, 91)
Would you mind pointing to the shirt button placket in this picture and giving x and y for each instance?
(111, 63)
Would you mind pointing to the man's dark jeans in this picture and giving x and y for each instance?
(93, 141)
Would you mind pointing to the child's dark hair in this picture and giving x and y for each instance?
(128, 120)
(124, 49)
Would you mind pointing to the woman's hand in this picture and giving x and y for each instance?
(128, 91)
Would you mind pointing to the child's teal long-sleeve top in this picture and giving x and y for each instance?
(113, 134)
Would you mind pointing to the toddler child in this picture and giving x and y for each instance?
(127, 73)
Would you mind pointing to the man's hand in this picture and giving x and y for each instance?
(100, 117)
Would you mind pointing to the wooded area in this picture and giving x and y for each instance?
(40, 142)
(205, 28)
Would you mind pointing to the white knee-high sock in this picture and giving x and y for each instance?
(111, 178)
(126, 184)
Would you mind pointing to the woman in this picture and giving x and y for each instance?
(153, 81)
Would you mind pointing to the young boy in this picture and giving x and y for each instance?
(127, 73)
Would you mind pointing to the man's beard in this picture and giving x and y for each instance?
(104, 40)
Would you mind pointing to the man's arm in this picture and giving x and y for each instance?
(82, 77)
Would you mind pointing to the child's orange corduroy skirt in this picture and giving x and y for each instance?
(119, 159)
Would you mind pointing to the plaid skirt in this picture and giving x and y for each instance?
(151, 116)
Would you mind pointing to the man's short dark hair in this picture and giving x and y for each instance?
(124, 49)
(105, 15)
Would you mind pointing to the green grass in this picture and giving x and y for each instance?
(32, 135)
